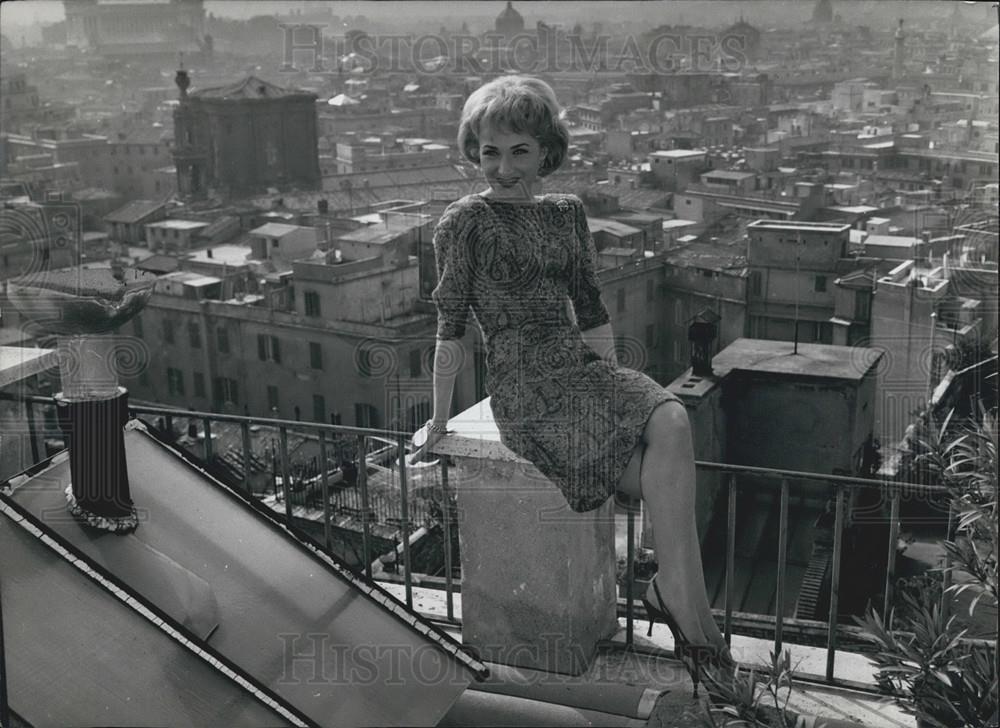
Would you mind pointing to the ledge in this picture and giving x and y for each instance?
(474, 434)
(18, 362)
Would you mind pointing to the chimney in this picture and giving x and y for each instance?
(701, 334)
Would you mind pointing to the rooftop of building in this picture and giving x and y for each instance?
(728, 174)
(221, 254)
(896, 241)
(134, 211)
(679, 153)
(175, 224)
(250, 87)
(799, 226)
(709, 257)
(275, 229)
(809, 360)
(614, 227)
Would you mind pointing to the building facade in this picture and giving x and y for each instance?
(792, 271)
(244, 137)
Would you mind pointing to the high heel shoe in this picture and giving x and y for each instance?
(695, 656)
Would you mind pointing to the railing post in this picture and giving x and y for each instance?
(838, 544)
(890, 564)
(4, 705)
(449, 587)
(168, 424)
(404, 503)
(207, 424)
(779, 603)
(286, 488)
(730, 559)
(247, 455)
(325, 486)
(29, 411)
(366, 535)
(629, 574)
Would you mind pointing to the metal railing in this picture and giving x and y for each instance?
(764, 477)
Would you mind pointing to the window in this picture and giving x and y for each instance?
(677, 350)
(272, 398)
(268, 347)
(365, 415)
(222, 340)
(678, 312)
(225, 390)
(168, 331)
(175, 382)
(862, 305)
(311, 303)
(319, 408)
(137, 327)
(650, 336)
(199, 384)
(621, 300)
(415, 356)
(820, 284)
(755, 283)
(315, 355)
(194, 335)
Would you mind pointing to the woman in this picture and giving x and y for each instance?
(558, 397)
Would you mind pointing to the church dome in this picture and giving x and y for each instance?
(509, 21)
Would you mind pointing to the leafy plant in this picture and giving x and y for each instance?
(939, 676)
(754, 696)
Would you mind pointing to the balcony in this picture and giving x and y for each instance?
(432, 506)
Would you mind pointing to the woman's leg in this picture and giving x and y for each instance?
(667, 485)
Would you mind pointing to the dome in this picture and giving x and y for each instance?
(508, 13)
(509, 21)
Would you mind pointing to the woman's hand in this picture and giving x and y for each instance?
(423, 440)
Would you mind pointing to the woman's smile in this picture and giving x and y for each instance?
(510, 162)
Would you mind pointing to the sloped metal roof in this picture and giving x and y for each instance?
(77, 654)
(323, 639)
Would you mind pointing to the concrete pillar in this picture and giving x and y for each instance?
(538, 579)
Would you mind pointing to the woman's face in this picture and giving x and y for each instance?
(510, 162)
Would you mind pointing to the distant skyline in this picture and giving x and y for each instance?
(782, 13)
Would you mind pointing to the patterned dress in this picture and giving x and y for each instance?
(556, 403)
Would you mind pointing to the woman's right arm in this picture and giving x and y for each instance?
(448, 356)
(453, 297)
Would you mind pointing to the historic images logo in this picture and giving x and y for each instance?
(307, 49)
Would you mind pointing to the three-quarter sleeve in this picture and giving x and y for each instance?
(586, 291)
(453, 293)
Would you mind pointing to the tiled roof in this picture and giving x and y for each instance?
(133, 212)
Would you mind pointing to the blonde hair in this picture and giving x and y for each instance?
(519, 104)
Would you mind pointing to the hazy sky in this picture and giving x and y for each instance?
(763, 12)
